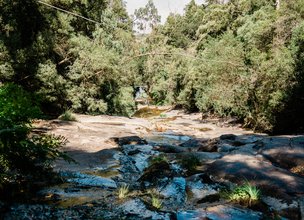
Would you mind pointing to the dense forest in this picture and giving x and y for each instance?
(240, 58)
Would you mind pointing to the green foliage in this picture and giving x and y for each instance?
(156, 202)
(22, 153)
(146, 17)
(17, 106)
(240, 58)
(123, 192)
(231, 59)
(159, 159)
(190, 162)
(246, 194)
(67, 116)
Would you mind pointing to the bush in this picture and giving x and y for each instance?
(67, 116)
(22, 153)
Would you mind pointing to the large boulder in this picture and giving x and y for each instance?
(284, 151)
(257, 170)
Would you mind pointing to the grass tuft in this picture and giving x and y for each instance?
(245, 194)
(123, 192)
(158, 159)
(156, 202)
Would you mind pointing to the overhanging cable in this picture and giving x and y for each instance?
(68, 12)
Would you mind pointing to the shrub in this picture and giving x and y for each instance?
(67, 116)
(21, 153)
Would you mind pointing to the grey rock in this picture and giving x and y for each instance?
(141, 161)
(204, 157)
(137, 208)
(175, 190)
(284, 151)
(89, 180)
(219, 212)
(225, 148)
(130, 149)
(194, 143)
(279, 204)
(200, 190)
(258, 171)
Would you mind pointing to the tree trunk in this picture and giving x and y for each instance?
(278, 4)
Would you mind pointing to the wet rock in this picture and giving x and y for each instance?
(89, 180)
(137, 209)
(175, 190)
(157, 171)
(219, 212)
(257, 170)
(128, 140)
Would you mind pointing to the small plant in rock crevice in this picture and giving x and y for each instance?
(123, 192)
(190, 162)
(158, 159)
(155, 200)
(245, 194)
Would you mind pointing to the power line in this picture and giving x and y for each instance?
(69, 12)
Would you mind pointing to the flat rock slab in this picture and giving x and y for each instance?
(284, 151)
(220, 212)
(89, 180)
(255, 169)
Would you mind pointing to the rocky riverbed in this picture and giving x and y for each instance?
(170, 165)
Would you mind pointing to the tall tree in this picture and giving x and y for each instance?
(147, 17)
